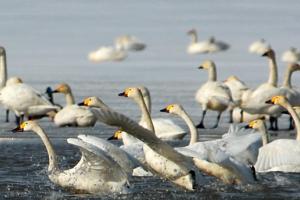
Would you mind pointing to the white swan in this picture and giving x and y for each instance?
(259, 47)
(291, 56)
(212, 95)
(96, 172)
(254, 101)
(160, 157)
(72, 114)
(210, 157)
(281, 154)
(207, 46)
(129, 43)
(164, 128)
(107, 53)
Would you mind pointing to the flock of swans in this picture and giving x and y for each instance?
(235, 158)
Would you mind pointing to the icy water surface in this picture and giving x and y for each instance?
(48, 42)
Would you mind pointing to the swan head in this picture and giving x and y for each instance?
(62, 88)
(172, 108)
(231, 78)
(2, 51)
(294, 66)
(256, 124)
(277, 100)
(145, 92)
(117, 135)
(191, 32)
(26, 126)
(207, 64)
(269, 53)
(92, 102)
(132, 92)
(14, 80)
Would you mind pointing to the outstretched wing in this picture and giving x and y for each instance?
(126, 161)
(98, 163)
(113, 118)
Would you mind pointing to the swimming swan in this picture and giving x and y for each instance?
(161, 157)
(281, 154)
(96, 172)
(209, 156)
(72, 114)
(107, 53)
(164, 128)
(129, 43)
(207, 46)
(213, 95)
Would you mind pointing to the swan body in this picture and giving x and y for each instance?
(259, 47)
(207, 46)
(72, 114)
(165, 129)
(291, 56)
(107, 53)
(96, 172)
(129, 43)
(209, 157)
(281, 154)
(213, 95)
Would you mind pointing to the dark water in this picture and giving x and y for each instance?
(48, 42)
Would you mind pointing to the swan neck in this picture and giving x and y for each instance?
(70, 98)
(194, 37)
(147, 100)
(273, 76)
(191, 125)
(3, 70)
(145, 113)
(287, 78)
(295, 118)
(51, 153)
(212, 73)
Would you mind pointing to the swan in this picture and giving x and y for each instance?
(291, 56)
(107, 53)
(254, 101)
(160, 157)
(129, 43)
(207, 46)
(213, 159)
(213, 95)
(96, 172)
(72, 114)
(164, 128)
(281, 154)
(259, 47)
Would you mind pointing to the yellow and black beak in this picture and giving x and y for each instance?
(112, 138)
(123, 94)
(200, 67)
(164, 110)
(247, 126)
(265, 54)
(269, 101)
(55, 91)
(18, 129)
(81, 104)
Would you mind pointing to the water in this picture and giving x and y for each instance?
(48, 42)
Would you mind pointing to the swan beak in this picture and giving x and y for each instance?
(269, 102)
(18, 129)
(164, 110)
(247, 126)
(81, 104)
(55, 91)
(123, 94)
(112, 138)
(200, 67)
(265, 54)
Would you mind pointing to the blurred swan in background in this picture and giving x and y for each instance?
(161, 157)
(72, 114)
(281, 154)
(208, 46)
(209, 157)
(129, 43)
(259, 47)
(96, 172)
(164, 128)
(213, 95)
(291, 56)
(107, 53)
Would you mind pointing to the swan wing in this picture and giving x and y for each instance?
(97, 162)
(41, 109)
(126, 161)
(135, 150)
(279, 153)
(113, 118)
